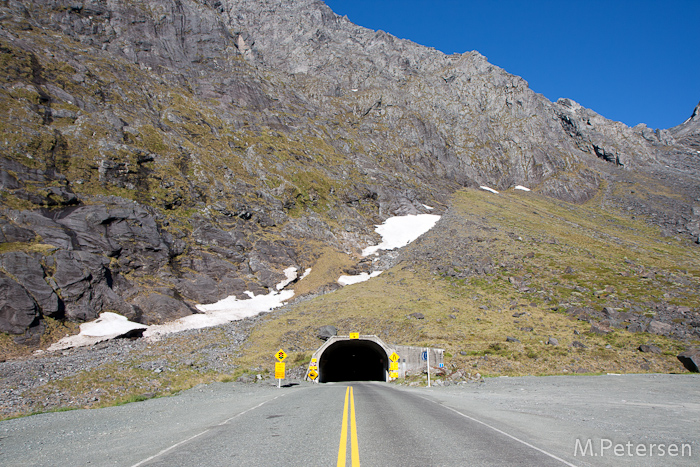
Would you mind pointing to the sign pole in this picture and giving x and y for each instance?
(427, 359)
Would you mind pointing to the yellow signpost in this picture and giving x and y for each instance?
(279, 370)
(279, 367)
(354, 335)
(394, 365)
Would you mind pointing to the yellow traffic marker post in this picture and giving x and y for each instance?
(279, 367)
(312, 372)
(394, 365)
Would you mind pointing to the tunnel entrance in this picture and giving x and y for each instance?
(353, 360)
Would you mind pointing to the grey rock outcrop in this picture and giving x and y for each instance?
(18, 310)
(688, 132)
(29, 272)
(326, 332)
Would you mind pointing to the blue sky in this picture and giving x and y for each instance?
(631, 61)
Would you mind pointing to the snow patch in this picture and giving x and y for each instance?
(347, 280)
(108, 326)
(291, 274)
(520, 187)
(229, 309)
(306, 273)
(488, 189)
(223, 311)
(428, 207)
(399, 231)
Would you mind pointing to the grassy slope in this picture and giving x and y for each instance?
(536, 240)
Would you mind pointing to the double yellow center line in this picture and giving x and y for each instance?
(342, 449)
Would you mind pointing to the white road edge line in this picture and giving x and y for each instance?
(503, 433)
(203, 432)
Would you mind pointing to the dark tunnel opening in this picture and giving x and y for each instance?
(353, 360)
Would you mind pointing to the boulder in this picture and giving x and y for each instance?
(649, 349)
(511, 339)
(690, 360)
(598, 328)
(326, 332)
(158, 308)
(246, 378)
(552, 341)
(611, 313)
(662, 329)
(32, 336)
(582, 313)
(417, 315)
(18, 310)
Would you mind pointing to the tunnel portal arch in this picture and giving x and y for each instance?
(345, 359)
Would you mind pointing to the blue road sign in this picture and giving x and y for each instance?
(424, 355)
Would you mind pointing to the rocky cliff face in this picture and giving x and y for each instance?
(165, 153)
(688, 132)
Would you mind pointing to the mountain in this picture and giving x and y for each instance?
(158, 155)
(688, 132)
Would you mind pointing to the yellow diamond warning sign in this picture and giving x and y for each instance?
(313, 375)
(394, 357)
(280, 355)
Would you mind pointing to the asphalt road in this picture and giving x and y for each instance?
(507, 421)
